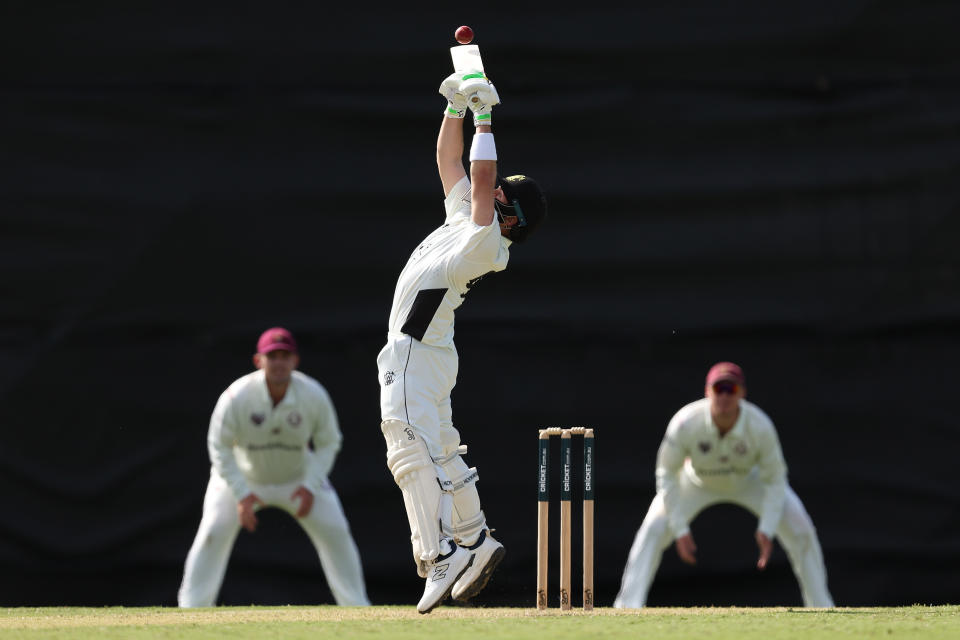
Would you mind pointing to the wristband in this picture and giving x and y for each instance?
(452, 112)
(483, 147)
(482, 118)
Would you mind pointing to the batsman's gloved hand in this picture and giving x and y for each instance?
(481, 96)
(456, 102)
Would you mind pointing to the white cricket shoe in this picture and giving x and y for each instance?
(442, 574)
(487, 554)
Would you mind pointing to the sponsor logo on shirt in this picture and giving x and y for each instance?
(725, 471)
(273, 445)
(704, 446)
(389, 377)
(257, 418)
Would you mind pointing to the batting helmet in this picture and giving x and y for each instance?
(527, 202)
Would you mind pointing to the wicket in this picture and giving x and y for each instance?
(543, 524)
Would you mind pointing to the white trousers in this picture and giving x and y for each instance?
(415, 385)
(796, 533)
(326, 525)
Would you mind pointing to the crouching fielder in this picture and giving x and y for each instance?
(452, 546)
(259, 443)
(723, 449)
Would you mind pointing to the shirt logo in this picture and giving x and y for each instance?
(704, 446)
(257, 418)
(294, 419)
(740, 449)
(388, 378)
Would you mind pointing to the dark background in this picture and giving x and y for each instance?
(772, 183)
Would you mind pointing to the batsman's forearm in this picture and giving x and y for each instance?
(450, 142)
(483, 175)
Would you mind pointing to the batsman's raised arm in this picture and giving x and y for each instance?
(450, 140)
(469, 90)
(481, 96)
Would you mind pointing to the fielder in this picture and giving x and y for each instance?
(259, 443)
(723, 449)
(452, 545)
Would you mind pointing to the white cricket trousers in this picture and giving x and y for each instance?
(326, 525)
(415, 384)
(796, 533)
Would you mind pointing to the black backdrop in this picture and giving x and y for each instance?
(772, 183)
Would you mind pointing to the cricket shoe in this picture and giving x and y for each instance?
(442, 574)
(487, 554)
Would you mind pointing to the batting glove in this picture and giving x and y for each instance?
(456, 102)
(481, 96)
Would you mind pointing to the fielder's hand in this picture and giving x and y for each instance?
(686, 549)
(246, 511)
(481, 96)
(456, 102)
(765, 545)
(306, 500)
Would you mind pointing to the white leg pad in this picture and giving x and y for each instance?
(467, 519)
(416, 475)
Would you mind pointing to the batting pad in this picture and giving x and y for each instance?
(416, 475)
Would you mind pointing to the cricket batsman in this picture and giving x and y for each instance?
(485, 215)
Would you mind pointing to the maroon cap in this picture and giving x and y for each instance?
(725, 371)
(275, 339)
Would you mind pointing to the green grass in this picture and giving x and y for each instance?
(459, 623)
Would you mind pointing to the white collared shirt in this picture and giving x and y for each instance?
(442, 269)
(252, 440)
(693, 445)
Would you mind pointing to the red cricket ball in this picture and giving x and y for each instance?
(464, 35)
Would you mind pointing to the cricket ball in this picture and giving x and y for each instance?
(464, 35)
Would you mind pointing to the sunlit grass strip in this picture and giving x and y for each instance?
(461, 623)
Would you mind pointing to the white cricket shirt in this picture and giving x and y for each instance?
(251, 440)
(693, 445)
(441, 270)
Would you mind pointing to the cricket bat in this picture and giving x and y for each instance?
(466, 57)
